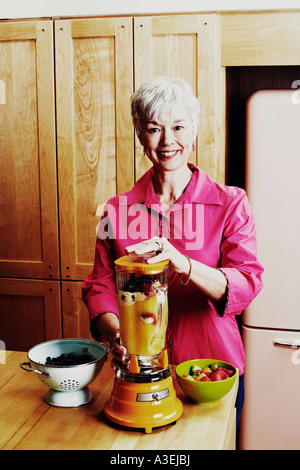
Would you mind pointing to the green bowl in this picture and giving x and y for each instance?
(204, 393)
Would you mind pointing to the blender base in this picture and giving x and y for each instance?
(143, 405)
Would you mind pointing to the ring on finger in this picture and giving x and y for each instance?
(160, 247)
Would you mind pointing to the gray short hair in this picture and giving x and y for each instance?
(158, 96)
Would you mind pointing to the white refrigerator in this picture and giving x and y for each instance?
(271, 325)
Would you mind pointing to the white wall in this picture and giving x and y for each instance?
(49, 8)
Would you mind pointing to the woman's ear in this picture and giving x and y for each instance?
(139, 136)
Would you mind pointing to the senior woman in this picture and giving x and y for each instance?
(205, 229)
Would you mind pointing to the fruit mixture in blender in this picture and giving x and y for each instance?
(143, 309)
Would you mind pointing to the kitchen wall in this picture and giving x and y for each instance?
(46, 8)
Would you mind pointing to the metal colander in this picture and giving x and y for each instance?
(68, 384)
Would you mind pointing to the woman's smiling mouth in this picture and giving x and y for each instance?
(167, 154)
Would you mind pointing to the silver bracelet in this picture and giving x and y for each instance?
(184, 283)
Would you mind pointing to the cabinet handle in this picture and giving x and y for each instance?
(287, 343)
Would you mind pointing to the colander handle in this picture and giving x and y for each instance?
(27, 366)
(108, 349)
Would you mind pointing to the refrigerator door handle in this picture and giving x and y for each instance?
(287, 343)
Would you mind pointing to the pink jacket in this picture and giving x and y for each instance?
(211, 223)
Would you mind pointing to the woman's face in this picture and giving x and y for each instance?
(168, 140)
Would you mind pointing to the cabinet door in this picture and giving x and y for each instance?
(188, 47)
(28, 185)
(30, 312)
(260, 38)
(75, 314)
(95, 138)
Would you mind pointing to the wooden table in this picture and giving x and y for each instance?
(28, 422)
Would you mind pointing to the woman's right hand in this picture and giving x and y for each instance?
(108, 326)
(117, 350)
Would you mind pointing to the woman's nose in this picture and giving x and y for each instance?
(167, 137)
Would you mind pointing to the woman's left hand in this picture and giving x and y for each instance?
(164, 251)
(211, 281)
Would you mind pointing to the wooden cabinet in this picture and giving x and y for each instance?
(68, 162)
(30, 312)
(264, 38)
(67, 142)
(95, 139)
(28, 189)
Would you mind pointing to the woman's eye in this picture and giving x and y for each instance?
(178, 128)
(153, 130)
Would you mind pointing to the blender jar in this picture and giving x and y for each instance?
(143, 307)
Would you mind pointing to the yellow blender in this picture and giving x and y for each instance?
(143, 395)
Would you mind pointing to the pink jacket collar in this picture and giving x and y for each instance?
(201, 190)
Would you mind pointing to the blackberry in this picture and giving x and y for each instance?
(70, 359)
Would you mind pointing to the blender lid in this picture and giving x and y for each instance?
(126, 263)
